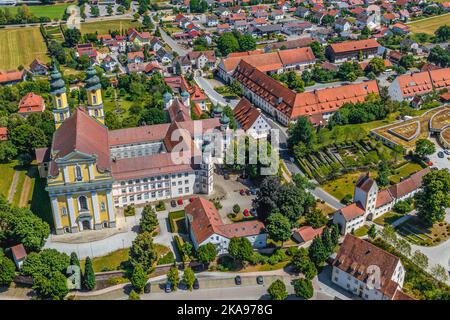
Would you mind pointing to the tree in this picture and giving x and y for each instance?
(376, 65)
(188, 277)
(442, 34)
(439, 272)
(434, 197)
(402, 206)
(388, 234)
(301, 131)
(302, 263)
(89, 275)
(139, 278)
(53, 286)
(277, 290)
(372, 232)
(318, 50)
(335, 235)
(74, 261)
(95, 11)
(247, 43)
(143, 251)
(227, 43)
(134, 295)
(206, 253)
(420, 259)
(26, 138)
(315, 218)
(303, 288)
(318, 253)
(236, 208)
(173, 277)
(407, 61)
(240, 249)
(72, 37)
(45, 263)
(425, 147)
(7, 151)
(149, 220)
(7, 271)
(109, 10)
(278, 227)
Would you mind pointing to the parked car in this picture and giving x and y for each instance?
(191, 199)
(238, 280)
(441, 154)
(259, 280)
(196, 284)
(253, 212)
(147, 288)
(168, 287)
(429, 163)
(180, 202)
(253, 191)
(242, 192)
(247, 192)
(173, 203)
(226, 176)
(447, 152)
(246, 213)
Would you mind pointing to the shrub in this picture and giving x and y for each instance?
(236, 208)
(291, 251)
(161, 206)
(303, 288)
(347, 199)
(129, 211)
(175, 215)
(134, 296)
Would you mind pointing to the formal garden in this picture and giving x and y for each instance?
(417, 232)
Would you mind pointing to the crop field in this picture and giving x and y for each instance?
(21, 46)
(102, 27)
(429, 25)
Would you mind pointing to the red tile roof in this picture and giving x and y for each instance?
(19, 252)
(11, 76)
(205, 221)
(352, 211)
(408, 185)
(307, 233)
(31, 102)
(383, 198)
(3, 133)
(350, 46)
(356, 255)
(364, 182)
(424, 82)
(246, 114)
(80, 132)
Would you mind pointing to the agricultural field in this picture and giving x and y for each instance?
(429, 25)
(54, 11)
(102, 27)
(21, 46)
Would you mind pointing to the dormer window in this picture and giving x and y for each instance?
(78, 174)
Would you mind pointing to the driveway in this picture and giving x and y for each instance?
(172, 43)
(115, 242)
(212, 94)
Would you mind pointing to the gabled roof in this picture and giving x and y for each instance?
(246, 114)
(18, 252)
(352, 211)
(81, 133)
(31, 102)
(364, 182)
(349, 46)
(356, 255)
(11, 76)
(408, 185)
(308, 233)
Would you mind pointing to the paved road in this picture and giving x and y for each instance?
(172, 43)
(212, 94)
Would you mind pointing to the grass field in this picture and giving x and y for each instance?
(429, 25)
(7, 173)
(343, 185)
(103, 27)
(54, 11)
(404, 171)
(388, 217)
(21, 46)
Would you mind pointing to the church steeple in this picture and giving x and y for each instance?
(58, 91)
(94, 94)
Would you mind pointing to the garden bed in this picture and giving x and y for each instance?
(415, 230)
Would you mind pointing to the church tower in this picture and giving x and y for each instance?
(58, 91)
(94, 95)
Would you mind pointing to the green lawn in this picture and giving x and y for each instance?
(103, 27)
(7, 173)
(388, 217)
(54, 11)
(20, 46)
(361, 231)
(109, 262)
(404, 171)
(110, 105)
(343, 185)
(19, 186)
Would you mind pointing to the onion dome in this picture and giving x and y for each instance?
(217, 111)
(224, 119)
(185, 94)
(92, 80)
(57, 84)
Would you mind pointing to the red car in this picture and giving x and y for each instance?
(180, 202)
(429, 163)
(242, 192)
(246, 213)
(191, 199)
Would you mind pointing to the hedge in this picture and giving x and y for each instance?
(175, 215)
(179, 244)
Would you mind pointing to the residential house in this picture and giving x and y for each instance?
(205, 225)
(351, 50)
(19, 254)
(86, 49)
(109, 63)
(290, 44)
(212, 21)
(163, 56)
(38, 68)
(222, 28)
(9, 77)
(31, 103)
(306, 234)
(342, 24)
(400, 28)
(135, 57)
(138, 38)
(296, 27)
(277, 15)
(357, 264)
(251, 120)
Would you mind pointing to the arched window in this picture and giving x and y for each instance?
(78, 174)
(82, 203)
(94, 99)
(96, 112)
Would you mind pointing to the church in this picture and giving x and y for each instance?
(91, 171)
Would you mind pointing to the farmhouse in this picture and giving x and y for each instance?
(31, 103)
(8, 77)
(354, 269)
(205, 226)
(351, 50)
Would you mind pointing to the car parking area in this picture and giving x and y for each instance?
(438, 162)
